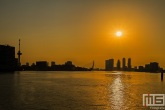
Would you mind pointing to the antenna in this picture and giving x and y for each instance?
(19, 44)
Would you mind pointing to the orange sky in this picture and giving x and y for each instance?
(83, 31)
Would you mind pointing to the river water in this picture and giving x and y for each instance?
(77, 90)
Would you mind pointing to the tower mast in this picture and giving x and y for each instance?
(19, 55)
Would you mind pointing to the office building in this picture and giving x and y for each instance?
(147, 67)
(123, 64)
(109, 64)
(118, 65)
(154, 67)
(7, 58)
(129, 64)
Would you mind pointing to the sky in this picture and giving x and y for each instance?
(84, 30)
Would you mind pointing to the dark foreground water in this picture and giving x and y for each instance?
(77, 90)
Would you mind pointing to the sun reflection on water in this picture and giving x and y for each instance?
(117, 94)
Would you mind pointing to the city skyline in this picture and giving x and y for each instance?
(8, 62)
(83, 31)
(124, 64)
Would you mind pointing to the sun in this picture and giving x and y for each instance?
(119, 33)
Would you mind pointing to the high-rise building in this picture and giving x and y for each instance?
(129, 64)
(53, 63)
(147, 67)
(109, 64)
(123, 64)
(118, 65)
(7, 58)
(154, 67)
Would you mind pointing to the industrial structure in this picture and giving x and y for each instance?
(19, 55)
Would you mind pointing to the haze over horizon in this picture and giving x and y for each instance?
(84, 30)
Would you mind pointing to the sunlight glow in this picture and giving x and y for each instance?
(119, 33)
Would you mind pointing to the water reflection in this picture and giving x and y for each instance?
(77, 90)
(116, 93)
